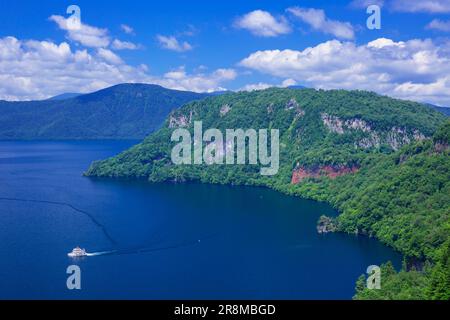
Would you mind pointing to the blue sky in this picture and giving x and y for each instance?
(213, 45)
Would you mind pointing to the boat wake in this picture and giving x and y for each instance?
(148, 249)
(96, 254)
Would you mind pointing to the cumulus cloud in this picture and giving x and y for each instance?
(431, 6)
(256, 86)
(415, 69)
(440, 25)
(127, 29)
(90, 36)
(412, 6)
(262, 23)
(179, 79)
(262, 85)
(363, 4)
(288, 83)
(172, 43)
(124, 45)
(86, 35)
(317, 19)
(39, 69)
(109, 56)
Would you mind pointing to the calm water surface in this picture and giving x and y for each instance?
(167, 241)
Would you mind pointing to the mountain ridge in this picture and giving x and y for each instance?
(124, 111)
(65, 96)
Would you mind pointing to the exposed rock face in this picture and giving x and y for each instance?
(419, 136)
(270, 108)
(224, 110)
(398, 137)
(440, 147)
(300, 113)
(372, 141)
(337, 125)
(395, 138)
(334, 124)
(358, 124)
(326, 225)
(293, 105)
(180, 121)
(332, 172)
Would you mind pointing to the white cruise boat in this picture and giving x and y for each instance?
(77, 252)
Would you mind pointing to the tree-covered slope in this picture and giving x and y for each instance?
(127, 111)
(393, 196)
(443, 110)
(381, 162)
(404, 200)
(317, 128)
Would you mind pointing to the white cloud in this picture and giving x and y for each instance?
(363, 4)
(384, 42)
(256, 86)
(317, 19)
(415, 69)
(124, 45)
(172, 43)
(179, 79)
(190, 31)
(431, 6)
(94, 37)
(262, 85)
(199, 82)
(288, 83)
(33, 69)
(109, 56)
(127, 29)
(262, 23)
(88, 36)
(440, 25)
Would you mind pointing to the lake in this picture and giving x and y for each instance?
(163, 241)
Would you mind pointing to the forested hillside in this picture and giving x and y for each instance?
(381, 162)
(126, 111)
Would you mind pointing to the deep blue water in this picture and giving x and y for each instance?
(254, 243)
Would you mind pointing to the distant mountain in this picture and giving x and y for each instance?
(65, 96)
(297, 87)
(443, 110)
(219, 93)
(125, 111)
